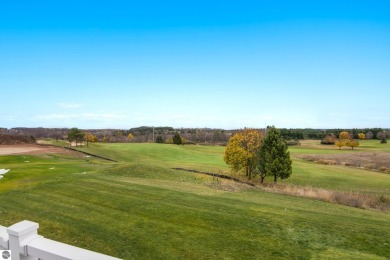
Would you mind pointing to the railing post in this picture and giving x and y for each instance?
(3, 238)
(20, 234)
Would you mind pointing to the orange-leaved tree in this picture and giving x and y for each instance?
(344, 135)
(361, 136)
(339, 143)
(242, 150)
(346, 139)
(352, 143)
(90, 138)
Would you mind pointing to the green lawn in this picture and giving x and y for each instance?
(190, 156)
(339, 178)
(140, 208)
(210, 158)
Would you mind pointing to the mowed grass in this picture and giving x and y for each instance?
(336, 177)
(28, 170)
(190, 156)
(339, 178)
(210, 158)
(140, 208)
(148, 212)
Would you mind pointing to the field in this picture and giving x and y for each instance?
(140, 208)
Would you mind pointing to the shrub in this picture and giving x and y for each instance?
(369, 166)
(159, 139)
(327, 162)
(383, 141)
(383, 199)
(329, 139)
(293, 142)
(311, 158)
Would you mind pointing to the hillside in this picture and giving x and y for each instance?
(141, 208)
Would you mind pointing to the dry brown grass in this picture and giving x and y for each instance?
(228, 185)
(371, 161)
(327, 162)
(352, 199)
(316, 144)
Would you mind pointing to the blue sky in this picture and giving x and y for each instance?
(219, 64)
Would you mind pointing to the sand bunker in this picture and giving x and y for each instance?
(18, 149)
(28, 149)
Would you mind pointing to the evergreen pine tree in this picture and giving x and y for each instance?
(159, 139)
(177, 139)
(274, 158)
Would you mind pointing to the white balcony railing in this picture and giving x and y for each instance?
(23, 241)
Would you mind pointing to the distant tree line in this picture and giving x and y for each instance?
(142, 134)
(16, 139)
(319, 134)
(145, 134)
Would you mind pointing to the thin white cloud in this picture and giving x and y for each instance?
(70, 105)
(81, 116)
(7, 118)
